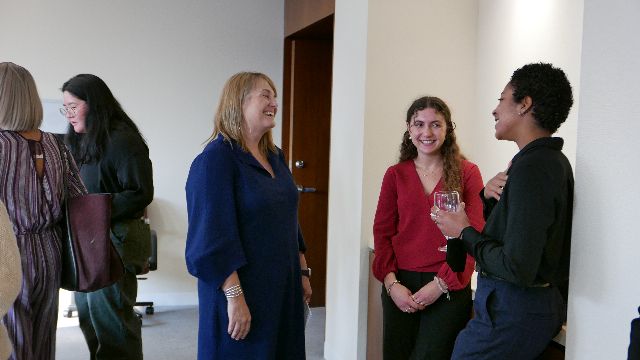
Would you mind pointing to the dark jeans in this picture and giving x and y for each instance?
(426, 334)
(510, 322)
(109, 324)
(107, 319)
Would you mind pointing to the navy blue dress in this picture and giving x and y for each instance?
(241, 219)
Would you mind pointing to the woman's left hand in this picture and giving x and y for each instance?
(306, 289)
(239, 317)
(450, 223)
(427, 295)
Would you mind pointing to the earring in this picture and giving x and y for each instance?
(409, 137)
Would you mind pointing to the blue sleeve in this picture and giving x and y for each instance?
(213, 249)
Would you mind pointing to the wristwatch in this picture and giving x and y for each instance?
(306, 272)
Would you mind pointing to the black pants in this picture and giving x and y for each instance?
(426, 334)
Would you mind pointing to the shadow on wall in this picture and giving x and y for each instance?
(170, 223)
(167, 218)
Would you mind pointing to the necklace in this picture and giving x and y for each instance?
(425, 173)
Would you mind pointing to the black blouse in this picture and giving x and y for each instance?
(124, 171)
(527, 237)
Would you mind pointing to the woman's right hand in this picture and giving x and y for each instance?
(239, 317)
(401, 296)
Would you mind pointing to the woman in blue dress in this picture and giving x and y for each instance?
(244, 244)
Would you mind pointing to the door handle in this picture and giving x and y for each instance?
(303, 189)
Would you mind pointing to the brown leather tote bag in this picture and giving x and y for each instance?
(89, 260)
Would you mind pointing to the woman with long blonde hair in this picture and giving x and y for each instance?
(244, 244)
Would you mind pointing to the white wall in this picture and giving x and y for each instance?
(511, 34)
(166, 62)
(436, 56)
(604, 290)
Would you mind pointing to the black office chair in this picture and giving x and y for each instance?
(153, 265)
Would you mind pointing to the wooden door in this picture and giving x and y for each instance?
(305, 140)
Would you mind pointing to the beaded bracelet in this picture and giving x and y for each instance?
(233, 291)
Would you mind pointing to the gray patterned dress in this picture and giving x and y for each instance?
(34, 203)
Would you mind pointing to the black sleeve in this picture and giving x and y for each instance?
(135, 177)
(530, 213)
(487, 204)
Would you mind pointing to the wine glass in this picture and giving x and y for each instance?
(446, 201)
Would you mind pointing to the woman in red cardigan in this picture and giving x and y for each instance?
(425, 304)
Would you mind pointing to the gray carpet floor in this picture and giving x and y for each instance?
(171, 333)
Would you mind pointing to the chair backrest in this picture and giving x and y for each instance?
(153, 259)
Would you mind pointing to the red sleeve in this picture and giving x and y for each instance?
(385, 227)
(473, 207)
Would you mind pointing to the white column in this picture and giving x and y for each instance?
(347, 261)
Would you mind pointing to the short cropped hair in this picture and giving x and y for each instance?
(550, 92)
(20, 105)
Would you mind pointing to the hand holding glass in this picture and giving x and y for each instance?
(446, 201)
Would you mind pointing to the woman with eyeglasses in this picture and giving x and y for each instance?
(113, 158)
(32, 188)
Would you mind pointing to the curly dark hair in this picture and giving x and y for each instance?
(451, 155)
(550, 92)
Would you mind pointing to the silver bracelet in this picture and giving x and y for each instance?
(233, 291)
(442, 286)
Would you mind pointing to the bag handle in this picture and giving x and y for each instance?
(65, 168)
